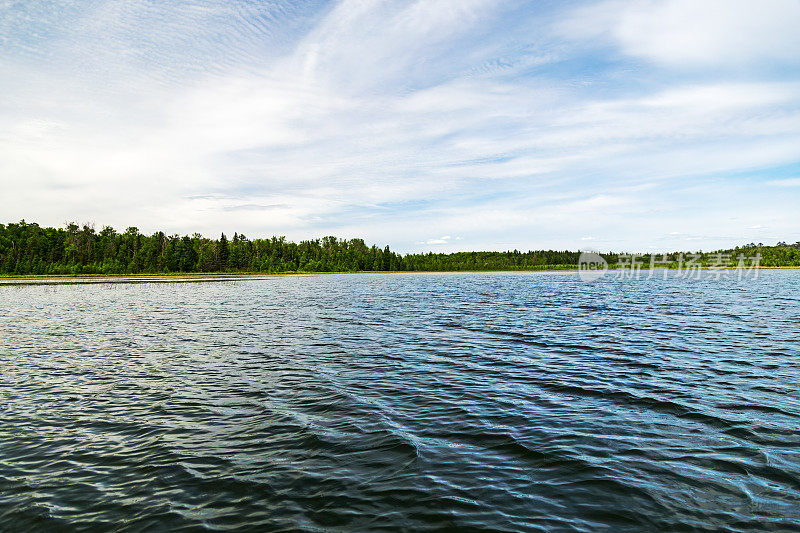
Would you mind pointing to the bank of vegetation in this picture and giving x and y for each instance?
(29, 249)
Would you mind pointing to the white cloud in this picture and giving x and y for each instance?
(787, 182)
(690, 33)
(440, 240)
(383, 121)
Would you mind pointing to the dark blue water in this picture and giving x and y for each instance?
(508, 402)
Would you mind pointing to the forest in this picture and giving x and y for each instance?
(29, 249)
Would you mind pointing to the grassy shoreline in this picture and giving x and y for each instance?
(244, 275)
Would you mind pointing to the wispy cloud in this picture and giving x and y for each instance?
(441, 240)
(494, 121)
(788, 182)
(690, 34)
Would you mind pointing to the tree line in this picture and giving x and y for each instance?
(29, 249)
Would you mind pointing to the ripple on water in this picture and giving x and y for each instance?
(494, 401)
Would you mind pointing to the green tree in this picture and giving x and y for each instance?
(223, 251)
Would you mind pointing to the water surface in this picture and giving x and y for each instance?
(508, 402)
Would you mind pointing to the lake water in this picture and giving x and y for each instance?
(509, 402)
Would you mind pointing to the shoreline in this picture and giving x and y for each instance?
(66, 279)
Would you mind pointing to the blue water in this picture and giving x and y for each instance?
(510, 402)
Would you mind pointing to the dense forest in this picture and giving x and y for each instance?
(28, 249)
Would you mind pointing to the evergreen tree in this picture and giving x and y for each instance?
(223, 251)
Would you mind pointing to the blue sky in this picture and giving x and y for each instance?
(427, 125)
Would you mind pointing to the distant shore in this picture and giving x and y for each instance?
(172, 277)
(30, 250)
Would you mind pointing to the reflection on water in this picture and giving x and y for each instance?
(402, 401)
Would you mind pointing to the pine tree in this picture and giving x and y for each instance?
(224, 252)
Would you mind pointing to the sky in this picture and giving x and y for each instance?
(437, 125)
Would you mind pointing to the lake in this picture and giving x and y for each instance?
(502, 401)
